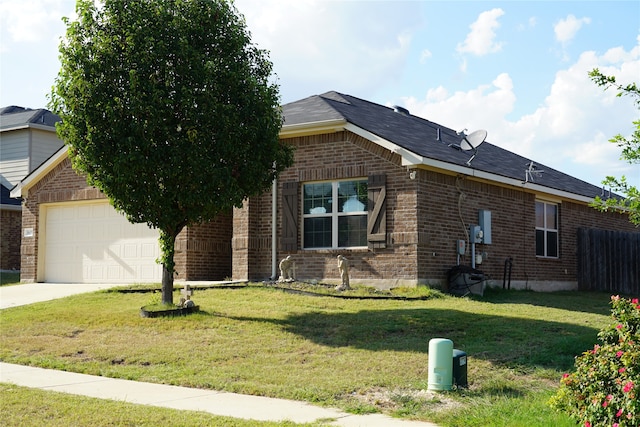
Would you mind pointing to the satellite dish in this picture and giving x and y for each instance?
(473, 140)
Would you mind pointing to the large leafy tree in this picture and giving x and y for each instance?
(169, 110)
(630, 152)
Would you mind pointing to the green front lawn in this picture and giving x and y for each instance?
(359, 355)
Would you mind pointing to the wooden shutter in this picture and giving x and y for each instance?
(377, 212)
(289, 238)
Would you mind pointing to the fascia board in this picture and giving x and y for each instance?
(22, 188)
(312, 128)
(29, 126)
(411, 159)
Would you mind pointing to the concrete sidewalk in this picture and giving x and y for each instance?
(182, 398)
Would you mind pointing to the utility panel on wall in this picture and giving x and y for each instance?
(484, 220)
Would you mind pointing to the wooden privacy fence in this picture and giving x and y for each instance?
(609, 261)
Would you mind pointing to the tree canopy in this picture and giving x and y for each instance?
(630, 152)
(169, 110)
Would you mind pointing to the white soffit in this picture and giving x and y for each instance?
(313, 128)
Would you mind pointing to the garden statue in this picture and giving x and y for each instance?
(287, 267)
(185, 300)
(343, 266)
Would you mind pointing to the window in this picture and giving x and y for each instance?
(335, 214)
(546, 230)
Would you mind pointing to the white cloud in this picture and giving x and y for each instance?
(531, 23)
(424, 55)
(566, 29)
(319, 45)
(32, 20)
(569, 131)
(481, 39)
(483, 107)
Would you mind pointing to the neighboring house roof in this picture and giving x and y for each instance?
(22, 188)
(17, 117)
(6, 202)
(416, 140)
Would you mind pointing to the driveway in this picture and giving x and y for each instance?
(16, 295)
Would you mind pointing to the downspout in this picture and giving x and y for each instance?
(274, 231)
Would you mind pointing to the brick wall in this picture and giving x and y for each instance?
(203, 252)
(331, 157)
(251, 243)
(425, 217)
(447, 202)
(10, 232)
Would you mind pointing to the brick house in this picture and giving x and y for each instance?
(72, 234)
(27, 138)
(392, 192)
(423, 193)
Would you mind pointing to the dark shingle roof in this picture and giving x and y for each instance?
(15, 116)
(420, 137)
(5, 198)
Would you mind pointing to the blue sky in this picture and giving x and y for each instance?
(515, 68)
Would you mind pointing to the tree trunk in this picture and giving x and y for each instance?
(167, 247)
(167, 285)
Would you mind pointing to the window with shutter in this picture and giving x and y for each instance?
(377, 212)
(334, 214)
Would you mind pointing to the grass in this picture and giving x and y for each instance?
(24, 407)
(361, 355)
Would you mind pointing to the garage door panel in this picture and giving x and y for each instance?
(149, 250)
(92, 243)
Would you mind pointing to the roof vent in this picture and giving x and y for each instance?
(401, 110)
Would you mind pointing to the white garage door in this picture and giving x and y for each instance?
(92, 243)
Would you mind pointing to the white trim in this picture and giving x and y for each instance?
(546, 229)
(547, 199)
(22, 188)
(334, 215)
(29, 125)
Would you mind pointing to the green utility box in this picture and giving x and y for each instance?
(440, 366)
(459, 371)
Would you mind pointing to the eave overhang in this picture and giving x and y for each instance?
(313, 128)
(28, 126)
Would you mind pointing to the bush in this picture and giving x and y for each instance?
(604, 389)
